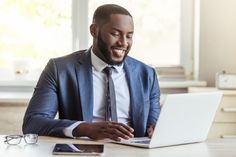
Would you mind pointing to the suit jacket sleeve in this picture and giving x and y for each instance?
(154, 101)
(43, 106)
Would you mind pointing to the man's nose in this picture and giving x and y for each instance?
(123, 41)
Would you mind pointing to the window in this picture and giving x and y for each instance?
(164, 32)
(32, 31)
(156, 29)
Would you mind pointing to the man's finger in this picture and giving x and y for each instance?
(124, 126)
(124, 130)
(119, 130)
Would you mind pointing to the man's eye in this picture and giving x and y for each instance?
(129, 36)
(115, 34)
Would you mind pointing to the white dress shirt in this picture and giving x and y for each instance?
(99, 92)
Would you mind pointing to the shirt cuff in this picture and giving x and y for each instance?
(68, 130)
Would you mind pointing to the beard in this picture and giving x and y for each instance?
(106, 53)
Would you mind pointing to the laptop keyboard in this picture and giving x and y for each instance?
(142, 142)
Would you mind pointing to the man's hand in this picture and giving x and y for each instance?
(102, 130)
(150, 130)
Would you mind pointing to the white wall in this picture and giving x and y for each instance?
(217, 38)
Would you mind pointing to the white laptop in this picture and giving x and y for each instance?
(184, 118)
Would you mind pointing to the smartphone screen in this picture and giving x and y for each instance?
(79, 149)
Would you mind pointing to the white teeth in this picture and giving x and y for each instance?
(118, 52)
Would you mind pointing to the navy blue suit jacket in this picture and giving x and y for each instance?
(66, 86)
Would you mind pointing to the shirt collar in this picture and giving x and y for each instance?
(99, 64)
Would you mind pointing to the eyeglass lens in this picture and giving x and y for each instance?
(13, 139)
(31, 138)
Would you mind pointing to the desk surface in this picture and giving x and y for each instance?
(15, 97)
(210, 148)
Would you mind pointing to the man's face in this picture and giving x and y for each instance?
(114, 39)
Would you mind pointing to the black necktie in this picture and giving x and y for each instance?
(110, 113)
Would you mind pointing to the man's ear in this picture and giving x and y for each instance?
(93, 30)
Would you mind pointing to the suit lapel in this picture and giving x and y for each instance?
(85, 82)
(136, 96)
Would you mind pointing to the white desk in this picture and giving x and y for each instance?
(16, 91)
(182, 84)
(15, 97)
(211, 148)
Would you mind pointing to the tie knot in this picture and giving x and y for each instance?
(108, 70)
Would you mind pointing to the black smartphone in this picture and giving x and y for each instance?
(78, 149)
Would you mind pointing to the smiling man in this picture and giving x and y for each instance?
(100, 92)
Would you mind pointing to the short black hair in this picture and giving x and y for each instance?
(102, 13)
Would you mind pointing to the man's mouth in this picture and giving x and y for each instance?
(118, 52)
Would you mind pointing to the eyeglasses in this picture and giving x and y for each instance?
(16, 139)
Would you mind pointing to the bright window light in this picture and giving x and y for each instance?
(156, 30)
(32, 31)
